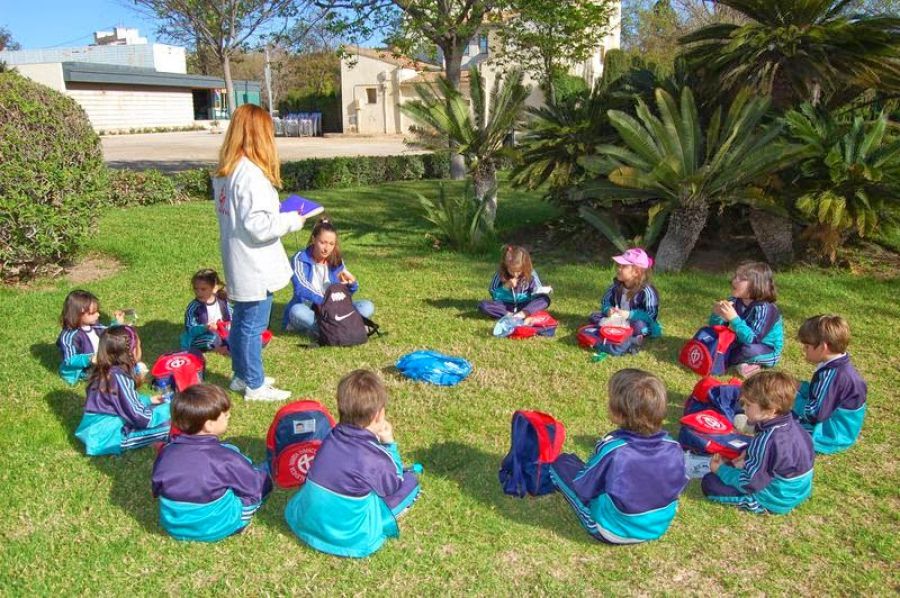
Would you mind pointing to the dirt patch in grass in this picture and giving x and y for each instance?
(88, 269)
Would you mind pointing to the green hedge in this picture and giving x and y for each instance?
(51, 176)
(332, 173)
(149, 187)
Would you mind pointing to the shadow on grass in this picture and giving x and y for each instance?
(465, 308)
(47, 354)
(664, 348)
(271, 514)
(128, 472)
(475, 473)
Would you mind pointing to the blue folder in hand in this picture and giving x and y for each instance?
(306, 207)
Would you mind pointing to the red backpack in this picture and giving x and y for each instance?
(707, 352)
(537, 439)
(294, 439)
(542, 324)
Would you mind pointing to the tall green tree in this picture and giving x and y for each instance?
(546, 37)
(669, 158)
(223, 27)
(480, 131)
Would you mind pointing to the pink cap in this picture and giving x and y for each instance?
(634, 257)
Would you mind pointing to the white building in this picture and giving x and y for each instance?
(374, 83)
(123, 82)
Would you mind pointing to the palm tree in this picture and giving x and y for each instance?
(849, 173)
(798, 50)
(480, 132)
(670, 159)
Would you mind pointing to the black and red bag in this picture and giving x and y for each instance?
(537, 439)
(294, 438)
(707, 353)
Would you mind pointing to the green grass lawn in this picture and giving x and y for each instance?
(75, 525)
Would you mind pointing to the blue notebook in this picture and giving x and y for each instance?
(306, 207)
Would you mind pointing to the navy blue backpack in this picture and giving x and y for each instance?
(537, 439)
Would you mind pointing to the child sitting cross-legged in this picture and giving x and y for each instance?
(628, 490)
(832, 406)
(775, 472)
(357, 486)
(207, 489)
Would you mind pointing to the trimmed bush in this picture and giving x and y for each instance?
(150, 187)
(51, 176)
(334, 173)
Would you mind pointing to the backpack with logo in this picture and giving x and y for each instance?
(294, 438)
(710, 393)
(176, 371)
(340, 325)
(542, 324)
(707, 353)
(707, 426)
(611, 339)
(537, 439)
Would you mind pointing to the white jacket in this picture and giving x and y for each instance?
(250, 231)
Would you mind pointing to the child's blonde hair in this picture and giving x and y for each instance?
(517, 258)
(770, 389)
(832, 330)
(251, 134)
(637, 400)
(77, 303)
(360, 396)
(642, 282)
(761, 279)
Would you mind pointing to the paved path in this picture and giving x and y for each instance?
(192, 149)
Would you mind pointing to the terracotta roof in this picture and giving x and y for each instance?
(392, 56)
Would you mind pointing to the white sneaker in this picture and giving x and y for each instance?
(266, 393)
(238, 385)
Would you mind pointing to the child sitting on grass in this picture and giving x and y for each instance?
(832, 406)
(631, 296)
(207, 489)
(775, 472)
(116, 417)
(357, 486)
(628, 490)
(80, 335)
(209, 307)
(516, 289)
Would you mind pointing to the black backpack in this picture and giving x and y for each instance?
(340, 325)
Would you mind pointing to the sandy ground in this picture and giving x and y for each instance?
(191, 149)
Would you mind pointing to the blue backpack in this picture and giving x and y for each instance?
(434, 367)
(536, 442)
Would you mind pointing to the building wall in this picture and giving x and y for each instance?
(125, 107)
(50, 74)
(164, 58)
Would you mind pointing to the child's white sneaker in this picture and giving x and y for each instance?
(238, 385)
(266, 392)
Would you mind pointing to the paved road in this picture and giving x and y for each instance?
(192, 149)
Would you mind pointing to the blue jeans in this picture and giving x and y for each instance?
(303, 319)
(248, 321)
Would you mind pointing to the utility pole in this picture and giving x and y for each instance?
(268, 71)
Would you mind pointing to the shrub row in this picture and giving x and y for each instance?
(149, 187)
(332, 173)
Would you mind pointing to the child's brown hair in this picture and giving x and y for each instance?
(360, 396)
(761, 279)
(832, 330)
(117, 347)
(637, 401)
(196, 405)
(77, 303)
(770, 389)
(515, 257)
(642, 282)
(324, 225)
(210, 277)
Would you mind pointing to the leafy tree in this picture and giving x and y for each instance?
(480, 132)
(222, 27)
(849, 173)
(669, 158)
(6, 40)
(798, 50)
(544, 37)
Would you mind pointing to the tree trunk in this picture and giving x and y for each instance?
(685, 225)
(452, 70)
(775, 235)
(229, 84)
(485, 179)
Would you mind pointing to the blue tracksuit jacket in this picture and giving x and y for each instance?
(832, 406)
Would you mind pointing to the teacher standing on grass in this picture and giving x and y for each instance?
(250, 231)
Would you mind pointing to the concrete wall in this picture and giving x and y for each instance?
(125, 107)
(164, 58)
(359, 114)
(50, 74)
